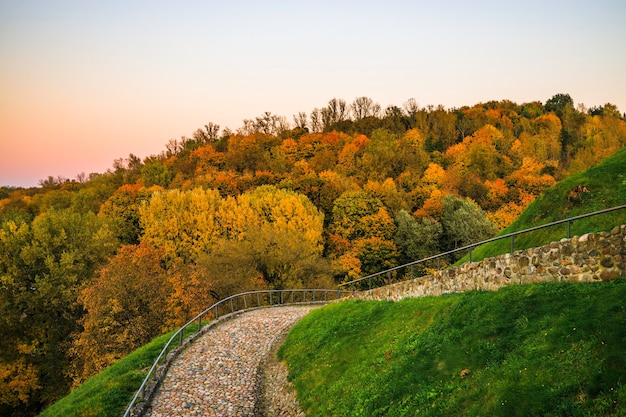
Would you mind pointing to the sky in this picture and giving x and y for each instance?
(83, 83)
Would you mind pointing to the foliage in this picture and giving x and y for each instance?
(350, 212)
(464, 223)
(122, 210)
(417, 239)
(282, 232)
(43, 266)
(524, 350)
(182, 223)
(606, 183)
(156, 173)
(129, 295)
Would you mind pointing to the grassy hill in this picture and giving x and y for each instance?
(537, 350)
(110, 392)
(606, 185)
(396, 359)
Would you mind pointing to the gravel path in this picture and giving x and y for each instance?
(219, 374)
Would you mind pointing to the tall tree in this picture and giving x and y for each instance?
(335, 112)
(464, 223)
(210, 133)
(559, 104)
(43, 268)
(363, 107)
(182, 223)
(282, 231)
(416, 239)
(125, 308)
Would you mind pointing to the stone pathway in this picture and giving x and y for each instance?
(219, 374)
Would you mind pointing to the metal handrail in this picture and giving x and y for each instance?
(229, 303)
(470, 247)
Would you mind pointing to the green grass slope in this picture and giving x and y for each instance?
(537, 350)
(110, 392)
(606, 183)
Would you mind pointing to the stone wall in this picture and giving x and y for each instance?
(588, 258)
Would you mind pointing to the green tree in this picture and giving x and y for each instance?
(380, 159)
(464, 223)
(416, 239)
(559, 104)
(375, 254)
(122, 210)
(43, 268)
(348, 212)
(156, 173)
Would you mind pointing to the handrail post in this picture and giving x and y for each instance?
(470, 255)
(271, 297)
(199, 323)
(569, 229)
(245, 302)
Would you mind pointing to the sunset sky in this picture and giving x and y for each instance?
(84, 82)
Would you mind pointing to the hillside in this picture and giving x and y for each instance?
(537, 350)
(110, 392)
(340, 194)
(607, 187)
(604, 187)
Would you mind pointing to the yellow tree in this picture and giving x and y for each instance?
(412, 155)
(395, 199)
(544, 143)
(182, 223)
(602, 137)
(280, 232)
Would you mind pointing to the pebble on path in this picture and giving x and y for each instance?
(218, 375)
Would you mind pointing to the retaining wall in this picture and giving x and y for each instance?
(588, 258)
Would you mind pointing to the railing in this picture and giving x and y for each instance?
(393, 274)
(232, 304)
(254, 299)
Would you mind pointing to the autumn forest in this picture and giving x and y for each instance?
(94, 267)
